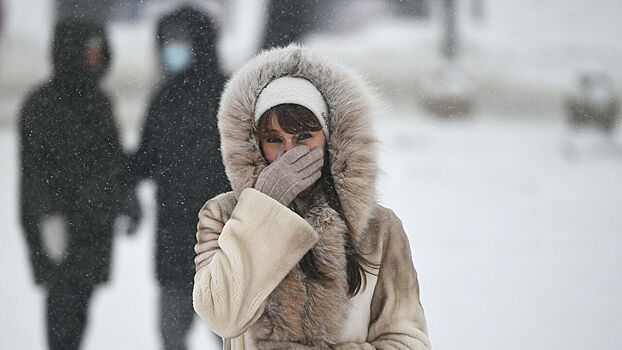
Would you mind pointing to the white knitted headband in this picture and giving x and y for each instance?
(293, 90)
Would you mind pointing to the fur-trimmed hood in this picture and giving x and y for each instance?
(351, 145)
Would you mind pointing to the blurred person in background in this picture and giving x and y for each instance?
(98, 11)
(288, 21)
(180, 150)
(73, 176)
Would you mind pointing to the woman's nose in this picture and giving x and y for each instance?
(289, 144)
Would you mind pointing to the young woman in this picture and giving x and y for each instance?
(300, 255)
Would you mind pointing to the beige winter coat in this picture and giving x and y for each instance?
(249, 286)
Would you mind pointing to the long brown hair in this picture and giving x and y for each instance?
(294, 119)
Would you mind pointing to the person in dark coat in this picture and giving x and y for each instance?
(72, 178)
(180, 151)
(288, 21)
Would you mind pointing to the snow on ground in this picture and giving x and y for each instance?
(516, 245)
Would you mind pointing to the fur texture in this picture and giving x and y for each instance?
(303, 309)
(309, 310)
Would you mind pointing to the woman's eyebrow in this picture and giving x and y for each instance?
(269, 131)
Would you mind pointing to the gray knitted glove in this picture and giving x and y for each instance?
(290, 174)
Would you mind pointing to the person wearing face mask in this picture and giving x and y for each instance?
(174, 46)
(177, 52)
(180, 151)
(73, 179)
(300, 255)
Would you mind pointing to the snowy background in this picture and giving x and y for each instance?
(516, 239)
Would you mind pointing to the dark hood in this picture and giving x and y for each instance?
(71, 37)
(202, 33)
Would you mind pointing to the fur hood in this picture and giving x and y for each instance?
(351, 145)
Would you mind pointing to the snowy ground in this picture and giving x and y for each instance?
(517, 246)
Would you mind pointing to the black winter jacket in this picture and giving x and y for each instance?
(72, 161)
(180, 149)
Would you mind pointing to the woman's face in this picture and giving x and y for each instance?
(275, 141)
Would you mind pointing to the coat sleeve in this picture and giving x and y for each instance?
(34, 195)
(109, 181)
(240, 261)
(142, 163)
(35, 198)
(397, 317)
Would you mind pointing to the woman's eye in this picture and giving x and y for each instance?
(273, 140)
(304, 136)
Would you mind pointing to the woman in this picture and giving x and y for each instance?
(300, 255)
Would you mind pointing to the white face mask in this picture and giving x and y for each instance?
(176, 56)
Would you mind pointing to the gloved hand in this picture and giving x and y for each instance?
(291, 173)
(54, 237)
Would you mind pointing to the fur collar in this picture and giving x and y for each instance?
(308, 310)
(351, 145)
